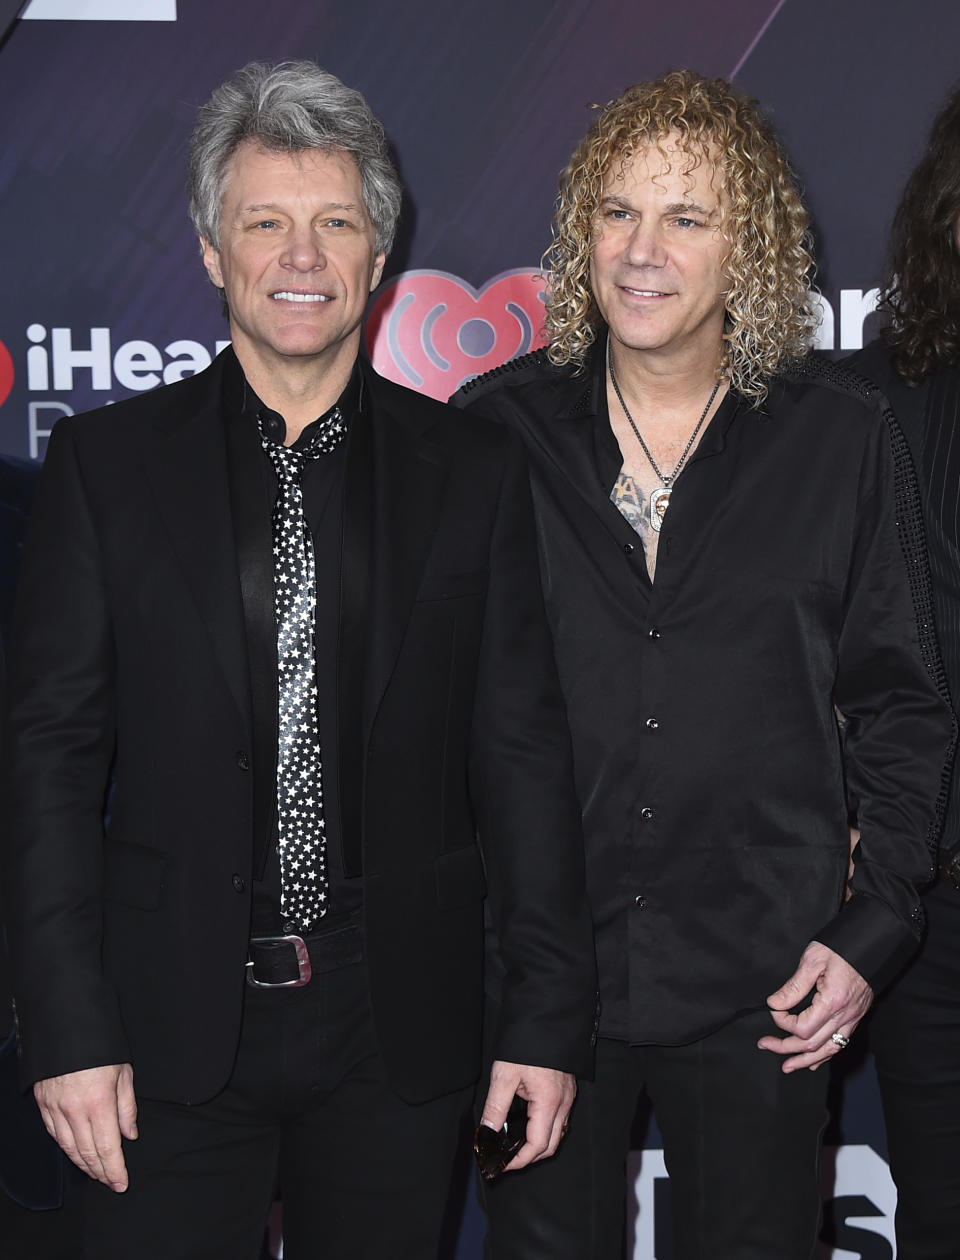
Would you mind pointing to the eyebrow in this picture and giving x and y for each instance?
(329, 205)
(684, 207)
(675, 207)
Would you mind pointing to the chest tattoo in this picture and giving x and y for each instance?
(633, 504)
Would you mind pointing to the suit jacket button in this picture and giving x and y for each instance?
(243, 761)
(239, 884)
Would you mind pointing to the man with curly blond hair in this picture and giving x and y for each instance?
(731, 552)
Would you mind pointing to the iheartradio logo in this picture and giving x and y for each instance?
(431, 331)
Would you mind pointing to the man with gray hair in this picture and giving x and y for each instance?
(311, 657)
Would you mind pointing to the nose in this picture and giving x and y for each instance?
(645, 247)
(303, 250)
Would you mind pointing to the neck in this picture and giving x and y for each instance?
(299, 389)
(657, 384)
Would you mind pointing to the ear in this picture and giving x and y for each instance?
(378, 263)
(211, 260)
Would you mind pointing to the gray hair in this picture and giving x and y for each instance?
(287, 108)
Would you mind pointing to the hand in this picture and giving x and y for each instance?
(549, 1096)
(86, 1113)
(841, 1000)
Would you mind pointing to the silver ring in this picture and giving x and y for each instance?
(840, 1040)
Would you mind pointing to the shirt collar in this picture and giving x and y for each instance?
(591, 402)
(242, 400)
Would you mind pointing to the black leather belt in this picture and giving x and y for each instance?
(288, 962)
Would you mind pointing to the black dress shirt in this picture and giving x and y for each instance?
(702, 705)
(322, 484)
(929, 414)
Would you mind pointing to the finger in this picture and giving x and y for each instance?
(557, 1134)
(807, 1052)
(797, 987)
(539, 1130)
(105, 1130)
(812, 1059)
(76, 1141)
(127, 1105)
(496, 1104)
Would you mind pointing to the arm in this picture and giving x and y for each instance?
(57, 752)
(542, 957)
(899, 746)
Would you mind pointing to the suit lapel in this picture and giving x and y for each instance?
(252, 509)
(187, 469)
(394, 485)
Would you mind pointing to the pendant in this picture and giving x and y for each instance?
(659, 502)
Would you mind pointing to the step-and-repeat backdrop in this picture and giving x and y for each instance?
(103, 294)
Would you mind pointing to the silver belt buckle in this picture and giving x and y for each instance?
(304, 970)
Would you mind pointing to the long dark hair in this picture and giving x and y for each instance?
(922, 294)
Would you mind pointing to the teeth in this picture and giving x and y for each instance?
(300, 297)
(647, 292)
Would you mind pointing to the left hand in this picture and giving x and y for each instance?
(841, 1000)
(549, 1094)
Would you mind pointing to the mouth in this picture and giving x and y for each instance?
(287, 295)
(645, 293)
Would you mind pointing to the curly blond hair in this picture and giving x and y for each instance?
(769, 317)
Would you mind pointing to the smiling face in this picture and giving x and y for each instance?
(297, 258)
(658, 256)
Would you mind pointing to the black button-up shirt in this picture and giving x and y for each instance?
(701, 705)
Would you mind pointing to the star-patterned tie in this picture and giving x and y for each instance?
(303, 869)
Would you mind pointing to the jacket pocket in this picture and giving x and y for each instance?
(452, 585)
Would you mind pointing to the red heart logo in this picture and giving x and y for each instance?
(431, 331)
(6, 373)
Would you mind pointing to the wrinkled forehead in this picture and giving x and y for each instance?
(668, 154)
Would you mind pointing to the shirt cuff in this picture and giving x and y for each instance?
(872, 938)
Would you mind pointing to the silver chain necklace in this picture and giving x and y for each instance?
(660, 499)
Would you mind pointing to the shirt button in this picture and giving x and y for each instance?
(653, 633)
(629, 548)
(243, 761)
(652, 724)
(646, 813)
(640, 901)
(239, 884)
(289, 928)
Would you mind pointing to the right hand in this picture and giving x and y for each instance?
(87, 1113)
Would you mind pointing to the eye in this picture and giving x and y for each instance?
(266, 224)
(336, 223)
(684, 222)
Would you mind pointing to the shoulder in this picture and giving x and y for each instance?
(830, 394)
(528, 380)
(438, 423)
(817, 376)
(167, 403)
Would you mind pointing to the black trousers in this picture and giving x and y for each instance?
(741, 1145)
(915, 1038)
(362, 1174)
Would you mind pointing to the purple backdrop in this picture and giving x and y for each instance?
(103, 291)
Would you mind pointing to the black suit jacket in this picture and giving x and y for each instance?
(144, 639)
